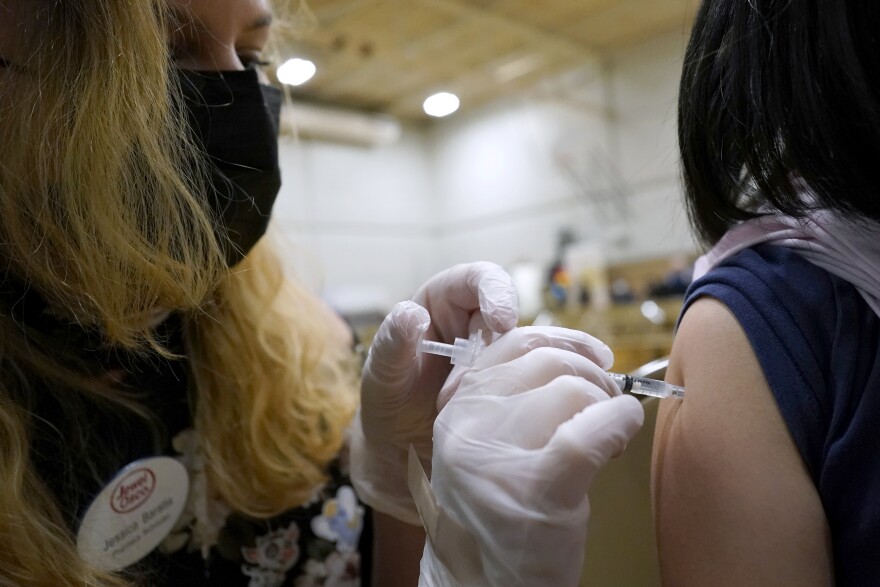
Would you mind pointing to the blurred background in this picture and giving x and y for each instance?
(537, 135)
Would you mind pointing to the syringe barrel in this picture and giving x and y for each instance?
(644, 386)
(437, 348)
(650, 387)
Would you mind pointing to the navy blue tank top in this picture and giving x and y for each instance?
(818, 344)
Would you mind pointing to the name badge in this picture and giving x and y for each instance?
(133, 514)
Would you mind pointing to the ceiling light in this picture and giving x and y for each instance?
(442, 104)
(296, 72)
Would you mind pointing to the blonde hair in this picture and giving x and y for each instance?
(101, 213)
(98, 181)
(266, 446)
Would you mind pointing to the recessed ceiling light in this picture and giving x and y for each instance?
(296, 72)
(442, 104)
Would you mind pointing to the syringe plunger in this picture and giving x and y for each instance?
(463, 352)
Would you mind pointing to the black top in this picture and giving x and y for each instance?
(326, 542)
(818, 343)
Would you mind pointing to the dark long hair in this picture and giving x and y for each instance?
(777, 92)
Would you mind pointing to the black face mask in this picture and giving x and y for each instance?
(236, 119)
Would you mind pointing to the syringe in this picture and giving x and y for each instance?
(645, 386)
(465, 351)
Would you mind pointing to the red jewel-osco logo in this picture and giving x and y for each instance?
(133, 491)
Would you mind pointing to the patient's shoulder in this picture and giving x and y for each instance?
(734, 504)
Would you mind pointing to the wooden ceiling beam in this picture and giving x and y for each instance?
(493, 19)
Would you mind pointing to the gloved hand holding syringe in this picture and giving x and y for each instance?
(508, 446)
(465, 351)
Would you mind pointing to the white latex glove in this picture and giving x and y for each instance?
(399, 391)
(515, 451)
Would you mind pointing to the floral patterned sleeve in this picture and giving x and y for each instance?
(324, 543)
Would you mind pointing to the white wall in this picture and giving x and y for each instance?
(593, 151)
(357, 217)
(502, 191)
(598, 155)
(643, 88)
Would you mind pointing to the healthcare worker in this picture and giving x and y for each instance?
(174, 411)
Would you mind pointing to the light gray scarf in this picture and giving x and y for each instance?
(848, 250)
